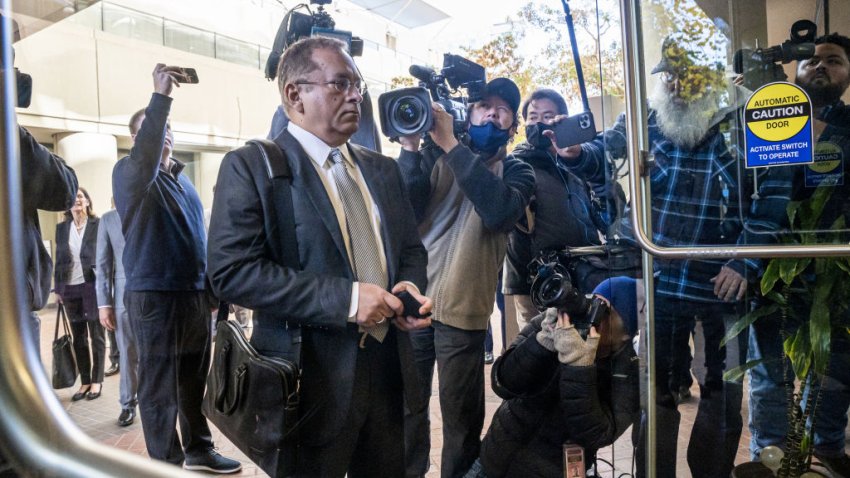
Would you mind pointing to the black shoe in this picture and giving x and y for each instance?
(94, 395)
(112, 370)
(80, 394)
(488, 357)
(212, 462)
(838, 465)
(127, 417)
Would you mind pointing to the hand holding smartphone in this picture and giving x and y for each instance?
(411, 305)
(191, 76)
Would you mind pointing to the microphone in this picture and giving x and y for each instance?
(422, 73)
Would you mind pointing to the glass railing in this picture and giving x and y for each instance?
(131, 23)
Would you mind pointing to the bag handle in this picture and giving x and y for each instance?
(61, 317)
(226, 403)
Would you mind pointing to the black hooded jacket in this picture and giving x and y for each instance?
(563, 216)
(548, 404)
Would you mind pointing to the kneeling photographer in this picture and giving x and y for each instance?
(466, 199)
(569, 381)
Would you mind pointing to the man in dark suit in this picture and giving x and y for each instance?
(355, 369)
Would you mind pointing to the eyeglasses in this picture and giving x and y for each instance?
(669, 76)
(342, 85)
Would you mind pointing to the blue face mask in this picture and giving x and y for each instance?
(488, 138)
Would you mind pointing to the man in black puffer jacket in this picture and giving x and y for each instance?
(559, 389)
(565, 211)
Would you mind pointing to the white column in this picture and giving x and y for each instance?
(92, 155)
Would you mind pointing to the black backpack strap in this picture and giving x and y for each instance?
(280, 174)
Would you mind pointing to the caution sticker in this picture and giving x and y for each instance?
(828, 168)
(778, 123)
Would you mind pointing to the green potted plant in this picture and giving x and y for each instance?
(805, 294)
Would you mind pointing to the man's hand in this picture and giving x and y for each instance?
(375, 304)
(59, 298)
(406, 324)
(107, 317)
(729, 286)
(443, 131)
(570, 152)
(166, 77)
(410, 142)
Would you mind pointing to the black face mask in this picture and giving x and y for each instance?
(534, 136)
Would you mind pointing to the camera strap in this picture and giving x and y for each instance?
(574, 47)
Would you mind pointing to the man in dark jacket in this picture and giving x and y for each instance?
(564, 211)
(337, 291)
(48, 184)
(466, 198)
(164, 262)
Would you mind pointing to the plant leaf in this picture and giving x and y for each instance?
(735, 374)
(771, 275)
(748, 319)
(798, 348)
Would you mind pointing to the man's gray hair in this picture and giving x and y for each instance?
(297, 60)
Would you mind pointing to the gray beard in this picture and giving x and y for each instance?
(683, 124)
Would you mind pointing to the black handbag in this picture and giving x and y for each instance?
(64, 362)
(253, 399)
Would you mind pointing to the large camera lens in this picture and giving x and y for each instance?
(408, 114)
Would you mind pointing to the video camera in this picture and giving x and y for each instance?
(760, 67)
(296, 25)
(407, 111)
(552, 286)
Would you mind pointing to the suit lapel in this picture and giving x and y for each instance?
(304, 171)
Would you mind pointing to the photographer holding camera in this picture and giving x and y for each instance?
(564, 381)
(466, 199)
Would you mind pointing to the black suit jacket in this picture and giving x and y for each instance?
(88, 253)
(245, 267)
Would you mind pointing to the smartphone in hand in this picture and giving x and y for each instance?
(411, 305)
(191, 76)
(576, 129)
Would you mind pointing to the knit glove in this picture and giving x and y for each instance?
(546, 336)
(572, 349)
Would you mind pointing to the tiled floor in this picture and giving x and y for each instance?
(98, 419)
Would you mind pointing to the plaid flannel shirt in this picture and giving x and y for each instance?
(701, 196)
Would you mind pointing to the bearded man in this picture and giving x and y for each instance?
(697, 144)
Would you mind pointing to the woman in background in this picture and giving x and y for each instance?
(76, 247)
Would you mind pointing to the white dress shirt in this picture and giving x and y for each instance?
(319, 151)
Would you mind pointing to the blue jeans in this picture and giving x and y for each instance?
(768, 408)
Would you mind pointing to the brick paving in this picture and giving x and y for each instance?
(98, 419)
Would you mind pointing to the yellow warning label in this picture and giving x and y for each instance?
(778, 111)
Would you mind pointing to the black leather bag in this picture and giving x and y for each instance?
(253, 400)
(64, 361)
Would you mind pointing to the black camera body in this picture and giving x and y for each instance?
(761, 66)
(552, 286)
(407, 111)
